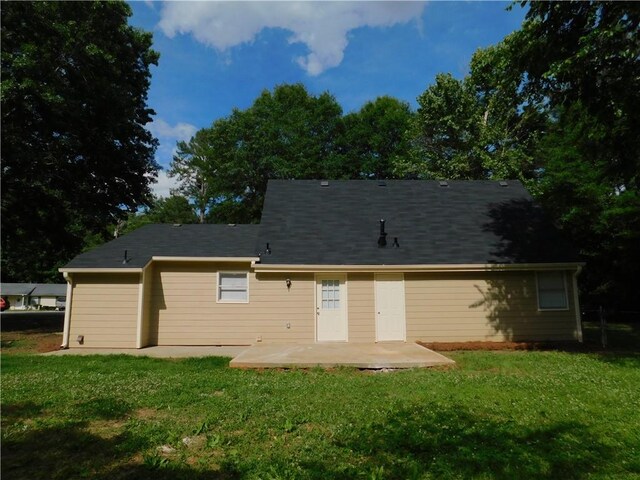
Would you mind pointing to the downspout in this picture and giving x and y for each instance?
(576, 303)
(141, 305)
(67, 310)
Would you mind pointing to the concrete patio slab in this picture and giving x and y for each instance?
(375, 356)
(156, 352)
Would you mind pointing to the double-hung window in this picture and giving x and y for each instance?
(552, 291)
(233, 287)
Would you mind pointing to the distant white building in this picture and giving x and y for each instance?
(24, 296)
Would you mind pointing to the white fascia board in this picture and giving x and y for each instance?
(158, 259)
(206, 259)
(416, 268)
(101, 270)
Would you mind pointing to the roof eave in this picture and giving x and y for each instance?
(206, 259)
(418, 268)
(64, 270)
(157, 259)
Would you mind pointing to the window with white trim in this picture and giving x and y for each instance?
(552, 291)
(233, 287)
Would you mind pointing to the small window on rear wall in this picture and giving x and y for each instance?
(233, 287)
(552, 291)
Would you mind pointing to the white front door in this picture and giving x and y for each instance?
(390, 319)
(331, 308)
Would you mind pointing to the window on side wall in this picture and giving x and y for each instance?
(233, 287)
(552, 291)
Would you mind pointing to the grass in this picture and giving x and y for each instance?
(503, 415)
(620, 336)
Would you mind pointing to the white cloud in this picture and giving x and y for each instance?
(164, 185)
(162, 130)
(321, 26)
(168, 136)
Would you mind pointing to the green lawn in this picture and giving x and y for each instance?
(502, 415)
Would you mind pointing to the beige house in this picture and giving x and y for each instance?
(451, 261)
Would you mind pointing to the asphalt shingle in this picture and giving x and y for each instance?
(466, 222)
(306, 223)
(171, 241)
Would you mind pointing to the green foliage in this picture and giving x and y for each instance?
(587, 54)
(374, 139)
(493, 416)
(286, 133)
(446, 133)
(476, 128)
(601, 215)
(556, 105)
(172, 209)
(511, 122)
(75, 150)
(190, 166)
(155, 461)
(582, 58)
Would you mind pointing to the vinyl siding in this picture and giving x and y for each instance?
(180, 308)
(104, 310)
(361, 308)
(184, 310)
(490, 306)
(147, 300)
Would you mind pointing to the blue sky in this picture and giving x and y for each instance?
(215, 56)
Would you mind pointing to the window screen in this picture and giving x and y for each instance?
(552, 293)
(232, 287)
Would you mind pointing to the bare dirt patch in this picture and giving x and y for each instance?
(145, 413)
(49, 342)
(30, 342)
(31, 332)
(497, 346)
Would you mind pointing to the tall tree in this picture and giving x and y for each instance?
(480, 127)
(588, 53)
(601, 216)
(512, 122)
(75, 151)
(287, 133)
(583, 60)
(374, 138)
(447, 133)
(190, 166)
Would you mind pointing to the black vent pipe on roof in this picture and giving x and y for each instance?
(382, 240)
(126, 259)
(268, 250)
(395, 242)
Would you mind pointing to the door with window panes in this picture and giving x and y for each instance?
(331, 308)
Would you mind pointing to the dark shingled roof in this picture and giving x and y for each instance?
(466, 222)
(306, 223)
(171, 241)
